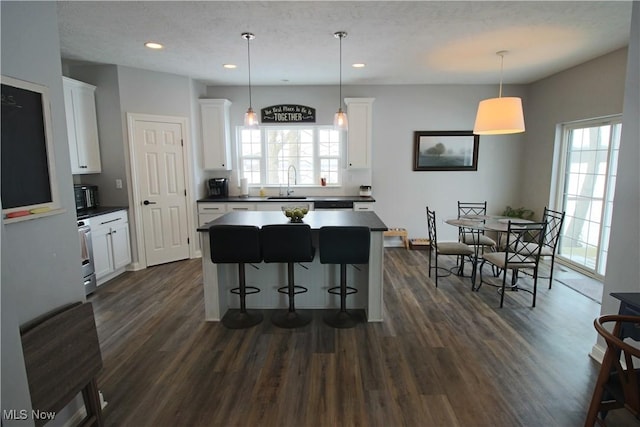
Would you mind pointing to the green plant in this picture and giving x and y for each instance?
(521, 212)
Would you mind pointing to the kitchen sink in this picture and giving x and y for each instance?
(286, 198)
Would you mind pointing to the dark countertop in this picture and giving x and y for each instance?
(292, 199)
(315, 219)
(101, 210)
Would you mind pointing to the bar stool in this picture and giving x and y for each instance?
(288, 243)
(343, 245)
(237, 244)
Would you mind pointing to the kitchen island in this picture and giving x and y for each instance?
(218, 279)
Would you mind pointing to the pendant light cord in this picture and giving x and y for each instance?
(340, 99)
(249, 61)
(501, 53)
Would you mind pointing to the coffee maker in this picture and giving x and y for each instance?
(218, 188)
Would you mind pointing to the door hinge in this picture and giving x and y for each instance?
(188, 240)
(182, 142)
(185, 192)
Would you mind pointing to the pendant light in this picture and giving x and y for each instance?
(499, 116)
(250, 117)
(340, 121)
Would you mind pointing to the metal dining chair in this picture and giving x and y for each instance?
(457, 249)
(554, 220)
(474, 237)
(521, 252)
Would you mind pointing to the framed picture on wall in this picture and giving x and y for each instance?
(455, 150)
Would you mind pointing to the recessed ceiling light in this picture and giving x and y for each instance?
(230, 66)
(153, 45)
(358, 65)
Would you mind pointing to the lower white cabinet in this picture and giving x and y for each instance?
(111, 246)
(207, 212)
(363, 206)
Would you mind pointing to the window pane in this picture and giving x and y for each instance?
(587, 196)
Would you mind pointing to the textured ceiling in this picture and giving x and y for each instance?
(424, 42)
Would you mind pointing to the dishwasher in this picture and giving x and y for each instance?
(333, 205)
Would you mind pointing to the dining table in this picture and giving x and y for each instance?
(478, 224)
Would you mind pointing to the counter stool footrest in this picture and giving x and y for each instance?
(248, 290)
(296, 290)
(336, 290)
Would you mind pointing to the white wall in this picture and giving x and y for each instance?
(623, 269)
(402, 194)
(40, 258)
(593, 89)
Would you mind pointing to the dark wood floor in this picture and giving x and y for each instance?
(442, 357)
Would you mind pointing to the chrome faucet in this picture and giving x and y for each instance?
(295, 179)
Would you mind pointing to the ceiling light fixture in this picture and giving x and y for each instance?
(250, 117)
(153, 45)
(499, 116)
(359, 65)
(340, 121)
(230, 66)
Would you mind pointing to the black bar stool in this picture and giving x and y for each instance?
(288, 243)
(231, 244)
(343, 245)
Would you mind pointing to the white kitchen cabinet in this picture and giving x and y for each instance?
(207, 212)
(111, 246)
(241, 207)
(216, 138)
(82, 126)
(359, 140)
(363, 206)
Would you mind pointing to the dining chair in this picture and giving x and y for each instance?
(521, 252)
(474, 237)
(554, 220)
(617, 385)
(457, 249)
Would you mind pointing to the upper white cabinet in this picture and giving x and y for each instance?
(216, 133)
(360, 113)
(82, 126)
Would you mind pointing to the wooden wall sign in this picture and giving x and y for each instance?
(288, 113)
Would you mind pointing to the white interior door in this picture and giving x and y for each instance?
(162, 192)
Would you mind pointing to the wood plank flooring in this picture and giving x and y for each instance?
(442, 357)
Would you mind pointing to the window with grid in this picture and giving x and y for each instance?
(267, 154)
(586, 191)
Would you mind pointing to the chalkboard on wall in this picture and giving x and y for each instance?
(28, 178)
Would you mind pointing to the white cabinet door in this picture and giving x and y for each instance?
(111, 246)
(102, 253)
(359, 111)
(120, 245)
(82, 126)
(214, 114)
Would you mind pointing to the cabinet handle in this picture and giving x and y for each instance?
(111, 220)
(211, 209)
(114, 232)
(83, 167)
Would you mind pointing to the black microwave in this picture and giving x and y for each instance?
(86, 196)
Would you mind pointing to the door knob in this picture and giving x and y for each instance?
(146, 202)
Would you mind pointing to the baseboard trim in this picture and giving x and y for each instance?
(597, 353)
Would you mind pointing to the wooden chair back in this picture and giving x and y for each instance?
(617, 384)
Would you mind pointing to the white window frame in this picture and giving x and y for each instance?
(283, 170)
(559, 186)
